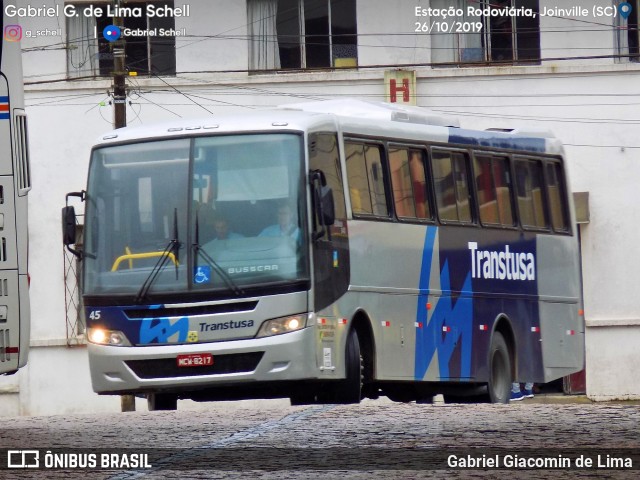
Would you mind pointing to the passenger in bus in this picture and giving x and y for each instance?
(222, 231)
(285, 226)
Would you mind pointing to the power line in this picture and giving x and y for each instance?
(161, 106)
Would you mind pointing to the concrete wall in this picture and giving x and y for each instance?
(584, 102)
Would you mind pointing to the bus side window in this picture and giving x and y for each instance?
(401, 181)
(494, 190)
(487, 202)
(450, 176)
(358, 184)
(419, 180)
(557, 197)
(366, 179)
(375, 173)
(323, 155)
(409, 183)
(530, 193)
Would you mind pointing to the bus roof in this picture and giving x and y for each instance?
(351, 116)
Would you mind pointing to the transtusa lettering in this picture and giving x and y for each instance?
(501, 265)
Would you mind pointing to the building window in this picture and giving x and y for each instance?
(628, 39)
(495, 38)
(299, 34)
(147, 55)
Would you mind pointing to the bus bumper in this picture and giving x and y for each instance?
(131, 370)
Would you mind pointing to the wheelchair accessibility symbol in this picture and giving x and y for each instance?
(202, 275)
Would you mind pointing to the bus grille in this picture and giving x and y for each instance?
(136, 313)
(22, 154)
(167, 367)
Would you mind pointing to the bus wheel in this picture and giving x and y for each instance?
(162, 401)
(499, 386)
(350, 390)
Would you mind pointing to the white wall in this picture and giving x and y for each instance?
(217, 32)
(570, 33)
(612, 356)
(589, 105)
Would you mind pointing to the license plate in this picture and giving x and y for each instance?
(195, 360)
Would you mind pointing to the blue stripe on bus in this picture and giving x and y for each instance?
(422, 362)
(496, 140)
(456, 315)
(4, 99)
(5, 116)
(427, 257)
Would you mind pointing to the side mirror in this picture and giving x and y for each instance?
(328, 207)
(69, 223)
(68, 226)
(323, 204)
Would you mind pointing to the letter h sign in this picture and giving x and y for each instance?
(400, 86)
(394, 89)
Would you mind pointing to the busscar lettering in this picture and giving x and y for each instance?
(501, 265)
(252, 269)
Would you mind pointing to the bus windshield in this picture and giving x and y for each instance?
(223, 213)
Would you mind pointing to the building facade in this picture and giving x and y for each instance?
(573, 70)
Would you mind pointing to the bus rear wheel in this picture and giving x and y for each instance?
(162, 401)
(500, 378)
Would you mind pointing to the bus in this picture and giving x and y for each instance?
(15, 183)
(328, 252)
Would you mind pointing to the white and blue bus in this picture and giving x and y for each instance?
(15, 183)
(328, 252)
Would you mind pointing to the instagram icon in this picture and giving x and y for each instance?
(13, 33)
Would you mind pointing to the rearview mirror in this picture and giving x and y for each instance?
(68, 225)
(322, 203)
(328, 208)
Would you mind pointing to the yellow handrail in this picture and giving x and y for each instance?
(138, 256)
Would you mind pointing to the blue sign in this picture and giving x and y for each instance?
(625, 9)
(111, 33)
(202, 275)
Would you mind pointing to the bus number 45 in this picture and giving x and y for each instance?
(94, 315)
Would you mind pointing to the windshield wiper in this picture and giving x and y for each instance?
(212, 263)
(172, 249)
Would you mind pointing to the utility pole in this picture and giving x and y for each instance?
(119, 87)
(127, 402)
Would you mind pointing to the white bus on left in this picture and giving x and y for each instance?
(15, 183)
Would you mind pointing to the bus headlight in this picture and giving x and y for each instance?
(281, 325)
(103, 336)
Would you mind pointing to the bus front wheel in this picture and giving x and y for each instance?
(350, 390)
(499, 386)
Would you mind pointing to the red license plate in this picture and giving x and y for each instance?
(195, 360)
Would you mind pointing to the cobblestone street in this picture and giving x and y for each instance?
(377, 439)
